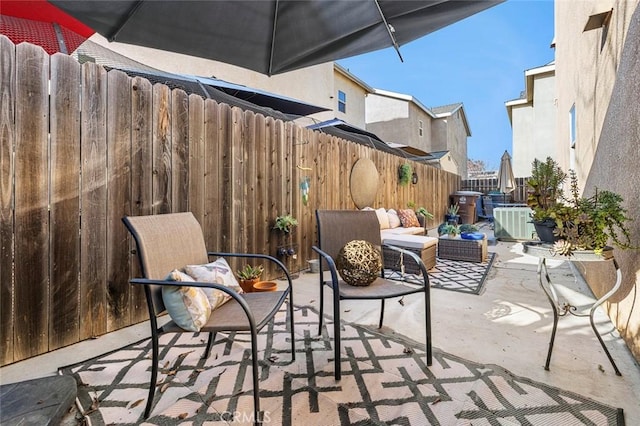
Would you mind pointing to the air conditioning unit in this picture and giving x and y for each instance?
(513, 223)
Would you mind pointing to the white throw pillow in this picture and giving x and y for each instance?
(383, 218)
(394, 220)
(215, 272)
(188, 307)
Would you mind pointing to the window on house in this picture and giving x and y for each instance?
(572, 126)
(420, 128)
(342, 101)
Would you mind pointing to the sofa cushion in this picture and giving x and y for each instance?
(383, 218)
(402, 231)
(417, 242)
(394, 220)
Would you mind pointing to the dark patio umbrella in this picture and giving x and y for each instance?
(270, 36)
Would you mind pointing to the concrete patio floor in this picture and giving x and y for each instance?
(508, 324)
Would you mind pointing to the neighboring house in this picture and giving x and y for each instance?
(597, 44)
(404, 120)
(583, 111)
(533, 120)
(450, 132)
(326, 85)
(443, 160)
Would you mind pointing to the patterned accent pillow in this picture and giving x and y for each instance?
(215, 272)
(408, 218)
(394, 220)
(188, 307)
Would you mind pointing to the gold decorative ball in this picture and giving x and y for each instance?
(359, 263)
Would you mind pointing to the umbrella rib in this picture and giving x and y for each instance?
(61, 44)
(273, 35)
(123, 22)
(389, 31)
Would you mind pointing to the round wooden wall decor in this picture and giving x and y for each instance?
(364, 183)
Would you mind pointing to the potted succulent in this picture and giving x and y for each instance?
(285, 223)
(404, 174)
(448, 229)
(590, 223)
(544, 193)
(452, 216)
(423, 215)
(248, 276)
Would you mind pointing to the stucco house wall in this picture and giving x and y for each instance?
(533, 120)
(317, 85)
(457, 140)
(597, 71)
(397, 119)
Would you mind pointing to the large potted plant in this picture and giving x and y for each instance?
(590, 223)
(544, 193)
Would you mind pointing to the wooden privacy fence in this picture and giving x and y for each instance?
(82, 147)
(484, 185)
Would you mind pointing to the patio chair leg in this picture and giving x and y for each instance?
(427, 322)
(321, 316)
(207, 351)
(336, 336)
(381, 313)
(291, 322)
(256, 390)
(154, 375)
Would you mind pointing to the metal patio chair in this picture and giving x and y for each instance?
(335, 229)
(171, 241)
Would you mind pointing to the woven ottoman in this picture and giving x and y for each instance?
(458, 249)
(425, 247)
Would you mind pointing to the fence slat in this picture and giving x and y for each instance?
(93, 263)
(65, 202)
(196, 157)
(141, 179)
(161, 150)
(31, 202)
(7, 141)
(119, 199)
(179, 151)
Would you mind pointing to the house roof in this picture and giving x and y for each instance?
(526, 96)
(408, 98)
(445, 111)
(344, 71)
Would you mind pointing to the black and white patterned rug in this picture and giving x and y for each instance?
(454, 275)
(384, 381)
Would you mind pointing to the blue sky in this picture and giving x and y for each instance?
(479, 61)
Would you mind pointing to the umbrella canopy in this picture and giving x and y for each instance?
(270, 36)
(38, 22)
(506, 181)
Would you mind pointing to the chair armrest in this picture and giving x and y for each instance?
(324, 256)
(413, 256)
(271, 259)
(234, 294)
